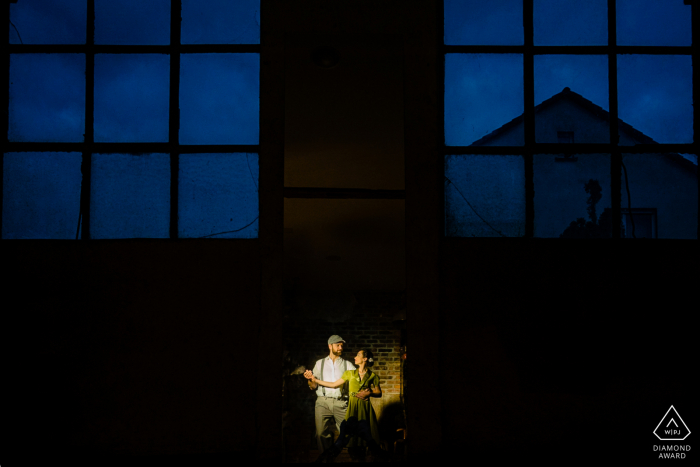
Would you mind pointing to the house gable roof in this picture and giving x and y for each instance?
(593, 109)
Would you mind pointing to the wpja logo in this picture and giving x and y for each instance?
(671, 428)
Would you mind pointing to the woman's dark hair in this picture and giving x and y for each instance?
(369, 356)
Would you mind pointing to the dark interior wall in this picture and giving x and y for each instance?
(409, 28)
(131, 347)
(574, 346)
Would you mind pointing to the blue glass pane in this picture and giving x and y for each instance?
(47, 97)
(575, 88)
(484, 196)
(221, 22)
(218, 196)
(130, 196)
(560, 22)
(131, 97)
(219, 98)
(476, 22)
(655, 96)
(482, 93)
(653, 22)
(562, 204)
(132, 22)
(663, 195)
(41, 195)
(48, 22)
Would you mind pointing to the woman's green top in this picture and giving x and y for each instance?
(359, 408)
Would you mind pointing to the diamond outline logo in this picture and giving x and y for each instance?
(674, 421)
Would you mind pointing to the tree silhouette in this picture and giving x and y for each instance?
(594, 228)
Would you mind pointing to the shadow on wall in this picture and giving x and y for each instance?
(392, 422)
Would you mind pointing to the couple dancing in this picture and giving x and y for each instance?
(344, 392)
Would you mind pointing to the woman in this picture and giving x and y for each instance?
(360, 419)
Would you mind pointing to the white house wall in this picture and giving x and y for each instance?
(655, 181)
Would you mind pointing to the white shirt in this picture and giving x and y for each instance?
(332, 372)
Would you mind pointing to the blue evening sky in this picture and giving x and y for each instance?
(482, 91)
(132, 22)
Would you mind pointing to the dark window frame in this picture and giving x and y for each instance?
(629, 233)
(88, 147)
(528, 51)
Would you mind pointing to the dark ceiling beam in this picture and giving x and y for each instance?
(342, 193)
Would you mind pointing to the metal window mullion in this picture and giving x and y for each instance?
(174, 112)
(615, 153)
(130, 148)
(529, 115)
(4, 123)
(570, 49)
(440, 177)
(695, 24)
(132, 49)
(86, 165)
(572, 148)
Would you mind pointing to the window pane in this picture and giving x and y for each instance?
(571, 92)
(47, 97)
(221, 22)
(484, 196)
(218, 195)
(663, 195)
(560, 22)
(131, 97)
(219, 98)
(41, 195)
(132, 22)
(572, 196)
(130, 196)
(655, 95)
(653, 22)
(483, 93)
(48, 21)
(476, 22)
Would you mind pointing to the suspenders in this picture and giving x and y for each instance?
(345, 368)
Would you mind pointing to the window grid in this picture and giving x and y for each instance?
(528, 51)
(88, 147)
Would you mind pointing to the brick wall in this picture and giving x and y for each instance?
(369, 319)
(372, 323)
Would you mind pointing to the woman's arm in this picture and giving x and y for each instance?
(313, 380)
(327, 384)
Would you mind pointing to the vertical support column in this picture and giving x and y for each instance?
(86, 166)
(268, 388)
(424, 168)
(529, 115)
(5, 112)
(174, 111)
(695, 15)
(615, 155)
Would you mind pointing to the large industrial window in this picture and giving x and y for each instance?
(131, 119)
(569, 119)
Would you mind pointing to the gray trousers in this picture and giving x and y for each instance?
(329, 411)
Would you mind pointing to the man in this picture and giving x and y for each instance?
(331, 404)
